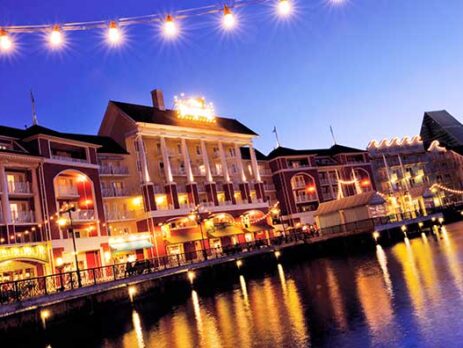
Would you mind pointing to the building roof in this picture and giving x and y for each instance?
(149, 114)
(246, 155)
(362, 199)
(441, 126)
(332, 151)
(105, 144)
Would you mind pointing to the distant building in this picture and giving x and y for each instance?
(305, 178)
(443, 127)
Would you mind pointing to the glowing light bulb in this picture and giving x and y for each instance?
(6, 44)
(229, 19)
(169, 27)
(56, 38)
(284, 8)
(114, 34)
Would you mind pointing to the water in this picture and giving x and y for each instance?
(408, 295)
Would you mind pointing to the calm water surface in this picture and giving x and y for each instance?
(408, 295)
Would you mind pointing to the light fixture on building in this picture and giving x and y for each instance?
(194, 108)
(59, 261)
(191, 276)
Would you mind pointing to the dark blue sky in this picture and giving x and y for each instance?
(368, 67)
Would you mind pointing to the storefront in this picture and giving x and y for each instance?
(129, 248)
(25, 261)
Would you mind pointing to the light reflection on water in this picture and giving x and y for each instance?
(407, 295)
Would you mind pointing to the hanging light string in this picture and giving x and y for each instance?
(146, 19)
(446, 189)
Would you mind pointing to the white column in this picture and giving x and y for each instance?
(143, 161)
(166, 160)
(186, 160)
(239, 161)
(35, 191)
(255, 166)
(225, 172)
(5, 199)
(206, 162)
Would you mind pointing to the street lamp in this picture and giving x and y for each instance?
(195, 215)
(62, 222)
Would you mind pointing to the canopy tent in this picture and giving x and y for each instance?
(362, 199)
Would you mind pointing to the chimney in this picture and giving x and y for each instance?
(158, 99)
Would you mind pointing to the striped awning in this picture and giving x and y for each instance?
(131, 245)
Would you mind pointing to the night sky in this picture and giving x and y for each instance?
(370, 68)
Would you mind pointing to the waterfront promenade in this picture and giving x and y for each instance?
(35, 294)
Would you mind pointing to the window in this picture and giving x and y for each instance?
(198, 150)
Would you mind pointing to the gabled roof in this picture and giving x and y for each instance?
(149, 114)
(441, 126)
(105, 144)
(362, 199)
(246, 155)
(332, 151)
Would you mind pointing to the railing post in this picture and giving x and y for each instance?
(114, 272)
(72, 281)
(178, 260)
(94, 276)
(16, 290)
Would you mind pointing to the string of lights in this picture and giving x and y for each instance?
(55, 35)
(447, 189)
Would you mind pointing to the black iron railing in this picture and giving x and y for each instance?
(19, 290)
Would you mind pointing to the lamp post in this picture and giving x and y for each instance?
(196, 216)
(71, 230)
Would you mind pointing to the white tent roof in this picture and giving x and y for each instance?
(365, 198)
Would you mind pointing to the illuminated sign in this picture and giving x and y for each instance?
(37, 252)
(194, 108)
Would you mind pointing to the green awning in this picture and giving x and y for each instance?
(225, 231)
(131, 245)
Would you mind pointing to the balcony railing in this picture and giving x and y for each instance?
(265, 171)
(305, 198)
(113, 215)
(179, 171)
(83, 215)
(19, 187)
(66, 191)
(69, 159)
(187, 206)
(114, 170)
(21, 217)
(115, 192)
(269, 187)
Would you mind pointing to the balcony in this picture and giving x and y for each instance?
(325, 182)
(69, 159)
(23, 216)
(265, 171)
(178, 171)
(114, 215)
(114, 170)
(66, 191)
(305, 198)
(18, 187)
(111, 192)
(83, 215)
(270, 187)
